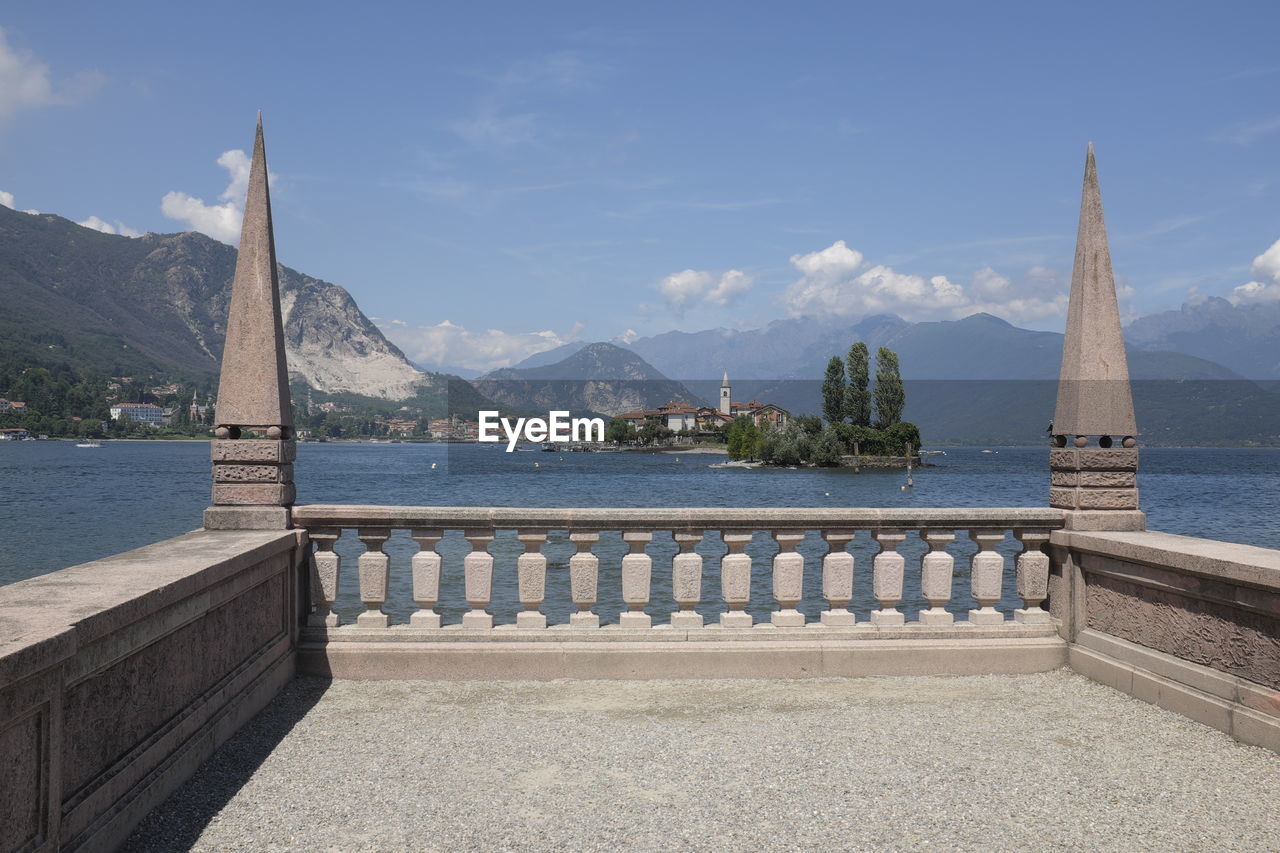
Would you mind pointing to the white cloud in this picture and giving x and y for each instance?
(6, 199)
(107, 228)
(629, 336)
(219, 221)
(835, 261)
(836, 282)
(450, 345)
(1265, 286)
(25, 83)
(689, 288)
(237, 163)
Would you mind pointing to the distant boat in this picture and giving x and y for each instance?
(88, 444)
(988, 451)
(938, 452)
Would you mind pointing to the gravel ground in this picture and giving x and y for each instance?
(1040, 762)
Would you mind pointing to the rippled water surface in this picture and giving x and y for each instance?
(61, 505)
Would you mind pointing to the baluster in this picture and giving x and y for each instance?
(326, 566)
(375, 572)
(478, 573)
(686, 581)
(1033, 577)
(531, 574)
(584, 568)
(637, 568)
(788, 579)
(986, 576)
(837, 579)
(886, 578)
(426, 578)
(735, 580)
(936, 570)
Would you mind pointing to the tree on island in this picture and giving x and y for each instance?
(833, 405)
(806, 440)
(857, 399)
(890, 396)
(743, 438)
(620, 431)
(828, 448)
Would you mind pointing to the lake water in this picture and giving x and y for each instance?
(61, 505)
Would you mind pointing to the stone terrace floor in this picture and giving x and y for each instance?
(1041, 762)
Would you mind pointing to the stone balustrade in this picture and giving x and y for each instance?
(714, 570)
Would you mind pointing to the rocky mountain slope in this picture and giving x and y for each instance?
(157, 305)
(600, 378)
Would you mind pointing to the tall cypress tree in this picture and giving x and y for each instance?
(857, 399)
(833, 391)
(891, 397)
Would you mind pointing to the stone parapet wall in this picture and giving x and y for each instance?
(118, 677)
(1190, 624)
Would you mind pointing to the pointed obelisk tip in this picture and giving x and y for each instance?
(1094, 396)
(253, 391)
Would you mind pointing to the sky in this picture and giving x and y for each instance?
(490, 180)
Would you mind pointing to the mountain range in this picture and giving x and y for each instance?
(1244, 338)
(980, 346)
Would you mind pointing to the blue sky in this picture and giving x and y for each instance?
(492, 179)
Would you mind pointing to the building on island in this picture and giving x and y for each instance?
(681, 417)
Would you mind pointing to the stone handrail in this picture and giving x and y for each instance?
(888, 527)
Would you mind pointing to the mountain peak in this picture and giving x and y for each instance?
(987, 319)
(598, 377)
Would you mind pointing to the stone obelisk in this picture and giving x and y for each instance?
(1095, 401)
(253, 449)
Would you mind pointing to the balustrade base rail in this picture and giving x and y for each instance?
(761, 633)
(615, 655)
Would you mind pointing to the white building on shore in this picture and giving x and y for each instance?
(146, 413)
